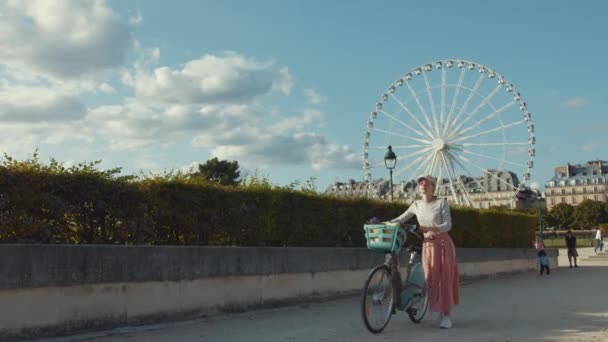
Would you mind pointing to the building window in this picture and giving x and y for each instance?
(584, 190)
(573, 191)
(563, 191)
(552, 201)
(595, 189)
(584, 198)
(573, 200)
(552, 192)
(595, 197)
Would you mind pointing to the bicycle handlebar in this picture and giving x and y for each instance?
(411, 228)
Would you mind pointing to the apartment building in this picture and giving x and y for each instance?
(493, 188)
(573, 184)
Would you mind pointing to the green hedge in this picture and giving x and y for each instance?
(87, 207)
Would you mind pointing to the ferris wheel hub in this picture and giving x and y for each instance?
(438, 144)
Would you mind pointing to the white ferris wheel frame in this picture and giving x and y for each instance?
(440, 138)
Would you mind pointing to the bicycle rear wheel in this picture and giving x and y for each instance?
(419, 296)
(378, 299)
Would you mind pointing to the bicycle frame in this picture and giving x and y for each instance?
(392, 261)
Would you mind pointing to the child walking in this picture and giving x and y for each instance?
(543, 262)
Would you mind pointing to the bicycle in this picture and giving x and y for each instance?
(379, 297)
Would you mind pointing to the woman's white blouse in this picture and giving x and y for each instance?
(429, 214)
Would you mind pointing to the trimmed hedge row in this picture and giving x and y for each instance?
(46, 207)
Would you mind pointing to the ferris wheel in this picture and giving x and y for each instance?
(457, 120)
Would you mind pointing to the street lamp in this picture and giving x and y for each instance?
(538, 197)
(390, 160)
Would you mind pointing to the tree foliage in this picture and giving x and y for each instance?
(589, 214)
(222, 172)
(561, 215)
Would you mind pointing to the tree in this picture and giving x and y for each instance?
(589, 214)
(223, 172)
(561, 215)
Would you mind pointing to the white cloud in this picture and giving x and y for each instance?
(51, 52)
(35, 104)
(62, 38)
(297, 149)
(333, 156)
(308, 118)
(136, 124)
(284, 82)
(313, 97)
(229, 78)
(192, 167)
(106, 88)
(576, 102)
(235, 132)
(136, 20)
(126, 78)
(20, 139)
(518, 151)
(588, 147)
(148, 163)
(146, 57)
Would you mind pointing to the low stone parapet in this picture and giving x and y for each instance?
(63, 289)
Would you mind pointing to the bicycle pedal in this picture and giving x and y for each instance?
(412, 311)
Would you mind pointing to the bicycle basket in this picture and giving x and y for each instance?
(385, 237)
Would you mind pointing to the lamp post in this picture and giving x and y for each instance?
(390, 160)
(538, 197)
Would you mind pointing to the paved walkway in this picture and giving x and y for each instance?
(569, 305)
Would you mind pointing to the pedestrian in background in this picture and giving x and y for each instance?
(571, 245)
(599, 243)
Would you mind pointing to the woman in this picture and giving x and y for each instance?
(438, 251)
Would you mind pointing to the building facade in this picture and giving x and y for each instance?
(494, 188)
(573, 184)
(350, 189)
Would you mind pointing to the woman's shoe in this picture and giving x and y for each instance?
(446, 322)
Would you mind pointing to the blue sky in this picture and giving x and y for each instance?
(284, 87)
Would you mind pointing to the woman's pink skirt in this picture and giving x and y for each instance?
(440, 272)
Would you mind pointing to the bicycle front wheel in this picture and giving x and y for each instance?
(378, 299)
